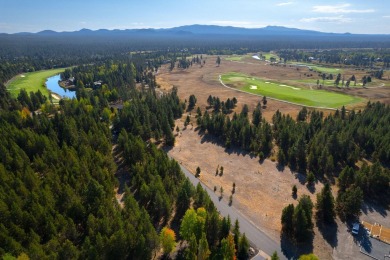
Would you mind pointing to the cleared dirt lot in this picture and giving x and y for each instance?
(261, 189)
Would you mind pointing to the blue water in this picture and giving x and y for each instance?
(52, 85)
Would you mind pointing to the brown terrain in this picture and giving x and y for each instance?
(262, 190)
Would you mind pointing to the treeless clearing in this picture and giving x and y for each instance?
(261, 189)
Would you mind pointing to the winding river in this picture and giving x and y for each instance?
(53, 86)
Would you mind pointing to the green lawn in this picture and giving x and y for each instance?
(302, 96)
(319, 68)
(269, 55)
(32, 81)
(236, 57)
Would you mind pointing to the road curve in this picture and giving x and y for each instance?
(256, 237)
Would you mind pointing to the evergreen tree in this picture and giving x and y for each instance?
(349, 202)
(191, 102)
(243, 248)
(325, 204)
(287, 220)
(203, 249)
(228, 250)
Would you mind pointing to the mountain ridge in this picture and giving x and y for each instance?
(200, 30)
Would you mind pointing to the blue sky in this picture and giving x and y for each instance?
(355, 16)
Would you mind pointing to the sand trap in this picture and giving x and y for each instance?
(290, 87)
(253, 87)
(22, 76)
(267, 82)
(256, 57)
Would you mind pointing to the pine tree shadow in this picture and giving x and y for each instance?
(363, 240)
(280, 167)
(370, 206)
(328, 232)
(311, 188)
(292, 250)
(289, 250)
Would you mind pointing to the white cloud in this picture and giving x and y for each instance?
(339, 9)
(285, 3)
(327, 19)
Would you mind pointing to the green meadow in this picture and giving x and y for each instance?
(269, 55)
(298, 95)
(32, 81)
(236, 57)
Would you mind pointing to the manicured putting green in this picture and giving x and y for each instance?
(298, 95)
(32, 81)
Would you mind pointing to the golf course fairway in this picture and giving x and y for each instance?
(280, 91)
(31, 81)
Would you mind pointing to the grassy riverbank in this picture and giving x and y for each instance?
(32, 81)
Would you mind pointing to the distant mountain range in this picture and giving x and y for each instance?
(203, 30)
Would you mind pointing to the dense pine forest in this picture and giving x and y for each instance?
(57, 174)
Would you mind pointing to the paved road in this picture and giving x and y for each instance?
(257, 238)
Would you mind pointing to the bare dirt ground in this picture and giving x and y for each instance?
(262, 190)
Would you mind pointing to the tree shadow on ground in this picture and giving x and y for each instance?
(166, 148)
(311, 188)
(328, 232)
(209, 138)
(369, 207)
(280, 167)
(363, 240)
(292, 250)
(301, 177)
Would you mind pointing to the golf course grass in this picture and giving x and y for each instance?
(32, 81)
(236, 57)
(269, 55)
(297, 95)
(319, 68)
